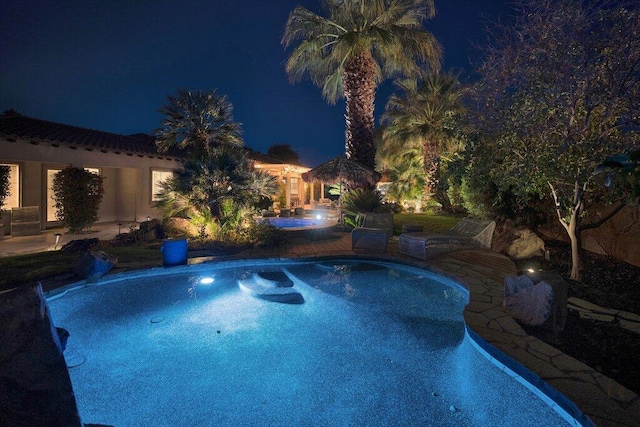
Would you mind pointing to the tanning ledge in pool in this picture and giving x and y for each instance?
(274, 286)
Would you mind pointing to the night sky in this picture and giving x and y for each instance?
(109, 65)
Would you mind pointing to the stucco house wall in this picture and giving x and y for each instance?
(127, 178)
(126, 163)
(125, 166)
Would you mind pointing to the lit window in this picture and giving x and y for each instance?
(157, 178)
(52, 211)
(13, 199)
(93, 170)
(294, 186)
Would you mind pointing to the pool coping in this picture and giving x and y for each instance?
(587, 396)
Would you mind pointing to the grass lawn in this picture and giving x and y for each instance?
(34, 267)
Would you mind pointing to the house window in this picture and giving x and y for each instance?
(294, 186)
(13, 199)
(93, 170)
(157, 178)
(52, 211)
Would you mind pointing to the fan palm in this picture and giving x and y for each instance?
(349, 52)
(420, 120)
(407, 182)
(196, 122)
(204, 184)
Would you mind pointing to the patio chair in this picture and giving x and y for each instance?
(468, 233)
(375, 232)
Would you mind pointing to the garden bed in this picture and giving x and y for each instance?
(607, 282)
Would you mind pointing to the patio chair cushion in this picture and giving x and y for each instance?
(467, 233)
(375, 232)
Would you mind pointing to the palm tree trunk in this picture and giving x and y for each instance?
(359, 87)
(431, 163)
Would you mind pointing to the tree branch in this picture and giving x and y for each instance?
(557, 205)
(604, 219)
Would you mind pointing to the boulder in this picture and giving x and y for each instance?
(526, 245)
(80, 245)
(518, 243)
(35, 388)
(560, 288)
(527, 302)
(94, 264)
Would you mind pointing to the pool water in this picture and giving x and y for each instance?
(299, 223)
(372, 344)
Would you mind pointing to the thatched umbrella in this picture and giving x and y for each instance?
(343, 170)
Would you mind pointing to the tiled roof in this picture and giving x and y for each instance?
(16, 126)
(259, 157)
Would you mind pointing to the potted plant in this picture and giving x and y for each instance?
(4, 192)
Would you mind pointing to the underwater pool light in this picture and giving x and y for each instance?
(206, 280)
(318, 216)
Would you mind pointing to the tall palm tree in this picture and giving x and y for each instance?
(216, 170)
(196, 122)
(420, 118)
(351, 50)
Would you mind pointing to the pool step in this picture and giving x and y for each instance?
(274, 278)
(275, 286)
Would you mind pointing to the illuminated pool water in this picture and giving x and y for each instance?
(300, 223)
(372, 344)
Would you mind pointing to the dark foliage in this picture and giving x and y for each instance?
(4, 185)
(78, 195)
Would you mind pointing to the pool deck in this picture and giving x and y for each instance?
(482, 272)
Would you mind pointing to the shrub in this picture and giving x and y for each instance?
(267, 235)
(78, 195)
(4, 185)
(362, 200)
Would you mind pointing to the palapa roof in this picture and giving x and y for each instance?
(342, 169)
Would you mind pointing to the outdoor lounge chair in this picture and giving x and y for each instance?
(375, 232)
(468, 233)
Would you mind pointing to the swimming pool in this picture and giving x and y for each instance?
(300, 223)
(372, 344)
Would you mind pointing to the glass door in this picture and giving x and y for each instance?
(51, 202)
